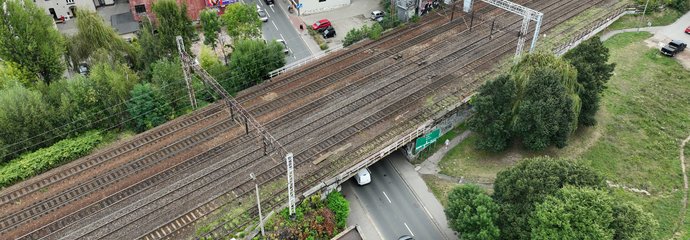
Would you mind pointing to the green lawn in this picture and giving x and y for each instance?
(645, 114)
(661, 18)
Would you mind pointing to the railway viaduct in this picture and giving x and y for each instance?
(338, 114)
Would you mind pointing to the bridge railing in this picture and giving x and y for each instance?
(301, 62)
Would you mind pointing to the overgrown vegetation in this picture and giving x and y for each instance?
(31, 164)
(544, 198)
(314, 219)
(542, 100)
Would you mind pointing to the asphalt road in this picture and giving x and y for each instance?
(392, 206)
(279, 26)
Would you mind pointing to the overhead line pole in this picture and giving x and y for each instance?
(242, 116)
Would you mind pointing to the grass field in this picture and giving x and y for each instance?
(661, 18)
(645, 114)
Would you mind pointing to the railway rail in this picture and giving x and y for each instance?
(326, 120)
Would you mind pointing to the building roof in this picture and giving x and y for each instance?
(124, 23)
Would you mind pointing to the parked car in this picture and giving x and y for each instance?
(673, 48)
(377, 15)
(268, 2)
(263, 16)
(363, 177)
(328, 32)
(321, 25)
(284, 44)
(405, 237)
(687, 30)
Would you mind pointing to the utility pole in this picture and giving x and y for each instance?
(452, 12)
(258, 203)
(185, 71)
(643, 13)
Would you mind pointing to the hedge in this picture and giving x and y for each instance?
(41, 160)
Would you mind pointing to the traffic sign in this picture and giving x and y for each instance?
(426, 140)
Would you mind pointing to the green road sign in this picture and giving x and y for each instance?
(424, 141)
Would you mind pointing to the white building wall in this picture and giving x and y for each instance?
(316, 6)
(63, 7)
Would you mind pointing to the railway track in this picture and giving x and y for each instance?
(271, 106)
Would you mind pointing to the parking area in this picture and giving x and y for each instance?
(343, 19)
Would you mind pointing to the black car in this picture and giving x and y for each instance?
(268, 2)
(673, 48)
(328, 32)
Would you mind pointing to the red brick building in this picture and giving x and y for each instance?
(143, 7)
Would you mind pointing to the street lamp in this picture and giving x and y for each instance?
(258, 203)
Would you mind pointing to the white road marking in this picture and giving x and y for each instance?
(281, 36)
(427, 212)
(389, 200)
(408, 229)
(271, 6)
(269, 15)
(274, 24)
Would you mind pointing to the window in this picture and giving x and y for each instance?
(70, 1)
(141, 8)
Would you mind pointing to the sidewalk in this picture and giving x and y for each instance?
(415, 182)
(430, 165)
(610, 34)
(296, 21)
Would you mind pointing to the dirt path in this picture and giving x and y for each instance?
(685, 185)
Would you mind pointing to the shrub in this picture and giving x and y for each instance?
(339, 205)
(43, 159)
(323, 46)
(375, 31)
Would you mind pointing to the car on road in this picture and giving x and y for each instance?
(363, 177)
(377, 15)
(284, 44)
(328, 32)
(321, 25)
(405, 237)
(674, 47)
(263, 16)
(268, 2)
(687, 30)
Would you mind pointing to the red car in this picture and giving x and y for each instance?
(321, 25)
(687, 30)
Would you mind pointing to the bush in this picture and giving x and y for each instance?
(353, 36)
(148, 107)
(339, 205)
(41, 160)
(375, 31)
(323, 46)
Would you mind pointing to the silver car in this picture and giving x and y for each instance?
(263, 16)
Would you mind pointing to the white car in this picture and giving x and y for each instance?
(377, 15)
(263, 16)
(363, 177)
(285, 47)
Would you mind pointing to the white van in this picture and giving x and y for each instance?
(363, 177)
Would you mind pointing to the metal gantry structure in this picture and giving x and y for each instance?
(241, 116)
(527, 16)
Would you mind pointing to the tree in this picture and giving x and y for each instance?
(168, 77)
(25, 121)
(545, 114)
(633, 223)
(593, 72)
(252, 60)
(172, 22)
(340, 207)
(112, 84)
(472, 213)
(27, 37)
(95, 34)
(520, 187)
(149, 45)
(573, 213)
(242, 21)
(493, 113)
(210, 23)
(147, 107)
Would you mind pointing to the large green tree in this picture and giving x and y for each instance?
(25, 121)
(573, 213)
(147, 107)
(95, 34)
(520, 187)
(472, 213)
(167, 76)
(493, 106)
(149, 47)
(544, 116)
(630, 222)
(590, 58)
(210, 23)
(112, 83)
(27, 37)
(251, 62)
(172, 22)
(242, 21)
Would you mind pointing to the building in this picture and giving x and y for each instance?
(143, 7)
(316, 6)
(63, 10)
